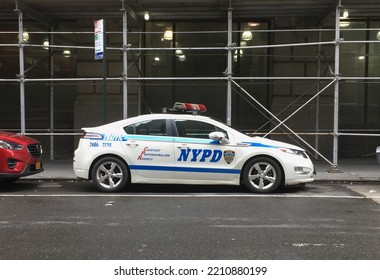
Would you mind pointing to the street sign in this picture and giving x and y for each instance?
(99, 39)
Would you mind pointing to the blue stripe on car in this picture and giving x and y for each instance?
(184, 169)
(260, 145)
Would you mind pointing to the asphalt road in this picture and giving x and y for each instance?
(70, 220)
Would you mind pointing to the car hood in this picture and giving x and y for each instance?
(20, 139)
(265, 142)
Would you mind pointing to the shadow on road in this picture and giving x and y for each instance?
(79, 186)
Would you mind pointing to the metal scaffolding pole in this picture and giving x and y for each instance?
(51, 68)
(334, 167)
(125, 60)
(139, 93)
(317, 103)
(229, 67)
(21, 76)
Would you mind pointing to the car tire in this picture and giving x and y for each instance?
(110, 174)
(262, 175)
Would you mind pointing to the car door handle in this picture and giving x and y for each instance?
(182, 146)
(132, 144)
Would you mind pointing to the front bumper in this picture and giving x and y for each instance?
(300, 172)
(29, 169)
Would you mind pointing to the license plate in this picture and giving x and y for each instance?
(38, 165)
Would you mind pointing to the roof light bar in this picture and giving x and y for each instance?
(181, 107)
(186, 107)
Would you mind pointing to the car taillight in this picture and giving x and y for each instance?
(92, 135)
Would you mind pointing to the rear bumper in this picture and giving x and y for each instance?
(81, 173)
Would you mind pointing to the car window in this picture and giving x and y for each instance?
(196, 129)
(152, 127)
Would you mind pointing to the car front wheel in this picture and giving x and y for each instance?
(262, 175)
(110, 174)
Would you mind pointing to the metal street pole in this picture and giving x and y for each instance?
(104, 71)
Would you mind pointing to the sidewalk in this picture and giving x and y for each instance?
(365, 170)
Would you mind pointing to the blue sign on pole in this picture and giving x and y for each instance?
(99, 39)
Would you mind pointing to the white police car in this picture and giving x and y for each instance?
(186, 149)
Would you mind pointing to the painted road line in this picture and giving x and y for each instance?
(187, 195)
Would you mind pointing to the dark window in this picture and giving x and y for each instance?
(196, 129)
(153, 127)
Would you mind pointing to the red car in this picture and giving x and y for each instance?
(19, 156)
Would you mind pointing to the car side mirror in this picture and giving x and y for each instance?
(219, 136)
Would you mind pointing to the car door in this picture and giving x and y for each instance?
(197, 157)
(149, 149)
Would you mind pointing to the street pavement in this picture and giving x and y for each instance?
(56, 216)
(70, 220)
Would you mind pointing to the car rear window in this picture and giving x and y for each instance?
(152, 127)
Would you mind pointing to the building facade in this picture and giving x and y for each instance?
(318, 73)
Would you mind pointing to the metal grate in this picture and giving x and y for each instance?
(35, 150)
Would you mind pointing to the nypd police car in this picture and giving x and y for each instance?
(172, 148)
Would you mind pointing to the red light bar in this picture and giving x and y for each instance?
(189, 107)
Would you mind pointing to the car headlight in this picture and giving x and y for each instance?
(10, 145)
(294, 152)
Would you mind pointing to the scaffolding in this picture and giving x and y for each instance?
(126, 49)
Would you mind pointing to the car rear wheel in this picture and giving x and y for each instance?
(262, 175)
(110, 174)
